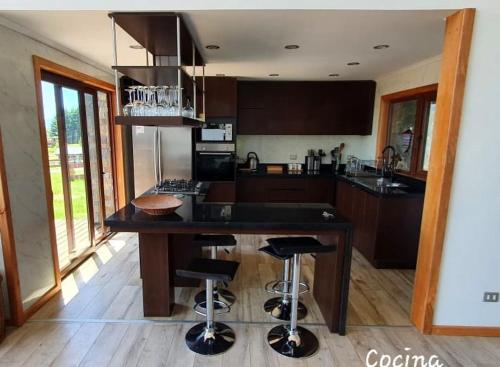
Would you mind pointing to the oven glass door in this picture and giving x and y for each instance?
(215, 166)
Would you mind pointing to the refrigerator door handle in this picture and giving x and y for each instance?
(155, 166)
(160, 173)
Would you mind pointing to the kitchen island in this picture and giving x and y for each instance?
(163, 241)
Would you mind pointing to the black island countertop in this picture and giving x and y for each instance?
(237, 217)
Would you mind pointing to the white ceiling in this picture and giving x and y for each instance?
(252, 41)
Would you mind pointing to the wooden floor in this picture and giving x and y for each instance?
(97, 319)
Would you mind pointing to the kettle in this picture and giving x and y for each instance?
(252, 161)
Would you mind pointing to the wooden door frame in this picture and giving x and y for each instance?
(8, 247)
(449, 101)
(40, 64)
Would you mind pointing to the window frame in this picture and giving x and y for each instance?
(424, 95)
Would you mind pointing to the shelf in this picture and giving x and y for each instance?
(158, 75)
(157, 32)
(165, 121)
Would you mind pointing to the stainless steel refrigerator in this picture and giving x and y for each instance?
(160, 153)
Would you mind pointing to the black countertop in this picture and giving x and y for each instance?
(369, 184)
(239, 217)
(325, 172)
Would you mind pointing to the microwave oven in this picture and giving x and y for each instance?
(215, 131)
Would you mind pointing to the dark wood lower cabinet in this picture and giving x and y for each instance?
(221, 192)
(285, 190)
(386, 230)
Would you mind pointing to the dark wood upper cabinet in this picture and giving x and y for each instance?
(313, 108)
(221, 97)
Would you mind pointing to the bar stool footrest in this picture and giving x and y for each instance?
(219, 308)
(278, 286)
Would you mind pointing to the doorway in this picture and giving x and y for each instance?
(77, 127)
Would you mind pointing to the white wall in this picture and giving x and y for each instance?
(22, 150)
(471, 254)
(278, 148)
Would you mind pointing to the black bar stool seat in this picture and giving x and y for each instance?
(219, 270)
(210, 337)
(289, 246)
(292, 340)
(209, 240)
(221, 295)
(270, 251)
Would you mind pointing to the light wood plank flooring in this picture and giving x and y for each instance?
(97, 319)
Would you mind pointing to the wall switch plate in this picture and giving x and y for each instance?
(490, 297)
(293, 157)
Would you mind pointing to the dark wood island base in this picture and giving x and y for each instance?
(164, 247)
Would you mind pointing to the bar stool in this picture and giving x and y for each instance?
(292, 340)
(212, 241)
(210, 337)
(280, 307)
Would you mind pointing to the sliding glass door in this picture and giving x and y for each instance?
(74, 129)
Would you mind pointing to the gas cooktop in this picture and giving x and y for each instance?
(179, 186)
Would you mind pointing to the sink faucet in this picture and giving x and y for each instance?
(388, 155)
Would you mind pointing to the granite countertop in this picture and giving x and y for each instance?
(195, 213)
(369, 184)
(325, 172)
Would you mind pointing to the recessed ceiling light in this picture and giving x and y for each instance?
(274, 75)
(334, 75)
(353, 63)
(220, 74)
(292, 47)
(380, 47)
(212, 47)
(136, 47)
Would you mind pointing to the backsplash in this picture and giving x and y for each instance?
(278, 148)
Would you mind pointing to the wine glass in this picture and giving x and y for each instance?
(127, 109)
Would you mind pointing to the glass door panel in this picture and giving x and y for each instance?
(94, 163)
(403, 117)
(76, 171)
(429, 128)
(106, 153)
(56, 173)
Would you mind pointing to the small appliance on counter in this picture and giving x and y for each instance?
(252, 161)
(337, 157)
(312, 162)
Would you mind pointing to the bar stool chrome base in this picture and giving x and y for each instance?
(302, 344)
(220, 294)
(210, 342)
(281, 310)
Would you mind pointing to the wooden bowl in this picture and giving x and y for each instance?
(160, 204)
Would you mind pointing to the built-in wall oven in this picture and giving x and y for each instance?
(215, 162)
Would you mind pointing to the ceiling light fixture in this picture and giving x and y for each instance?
(136, 47)
(212, 47)
(292, 47)
(334, 75)
(353, 63)
(380, 47)
(274, 75)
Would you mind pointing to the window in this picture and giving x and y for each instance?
(408, 120)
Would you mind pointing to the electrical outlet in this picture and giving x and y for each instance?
(293, 157)
(490, 297)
